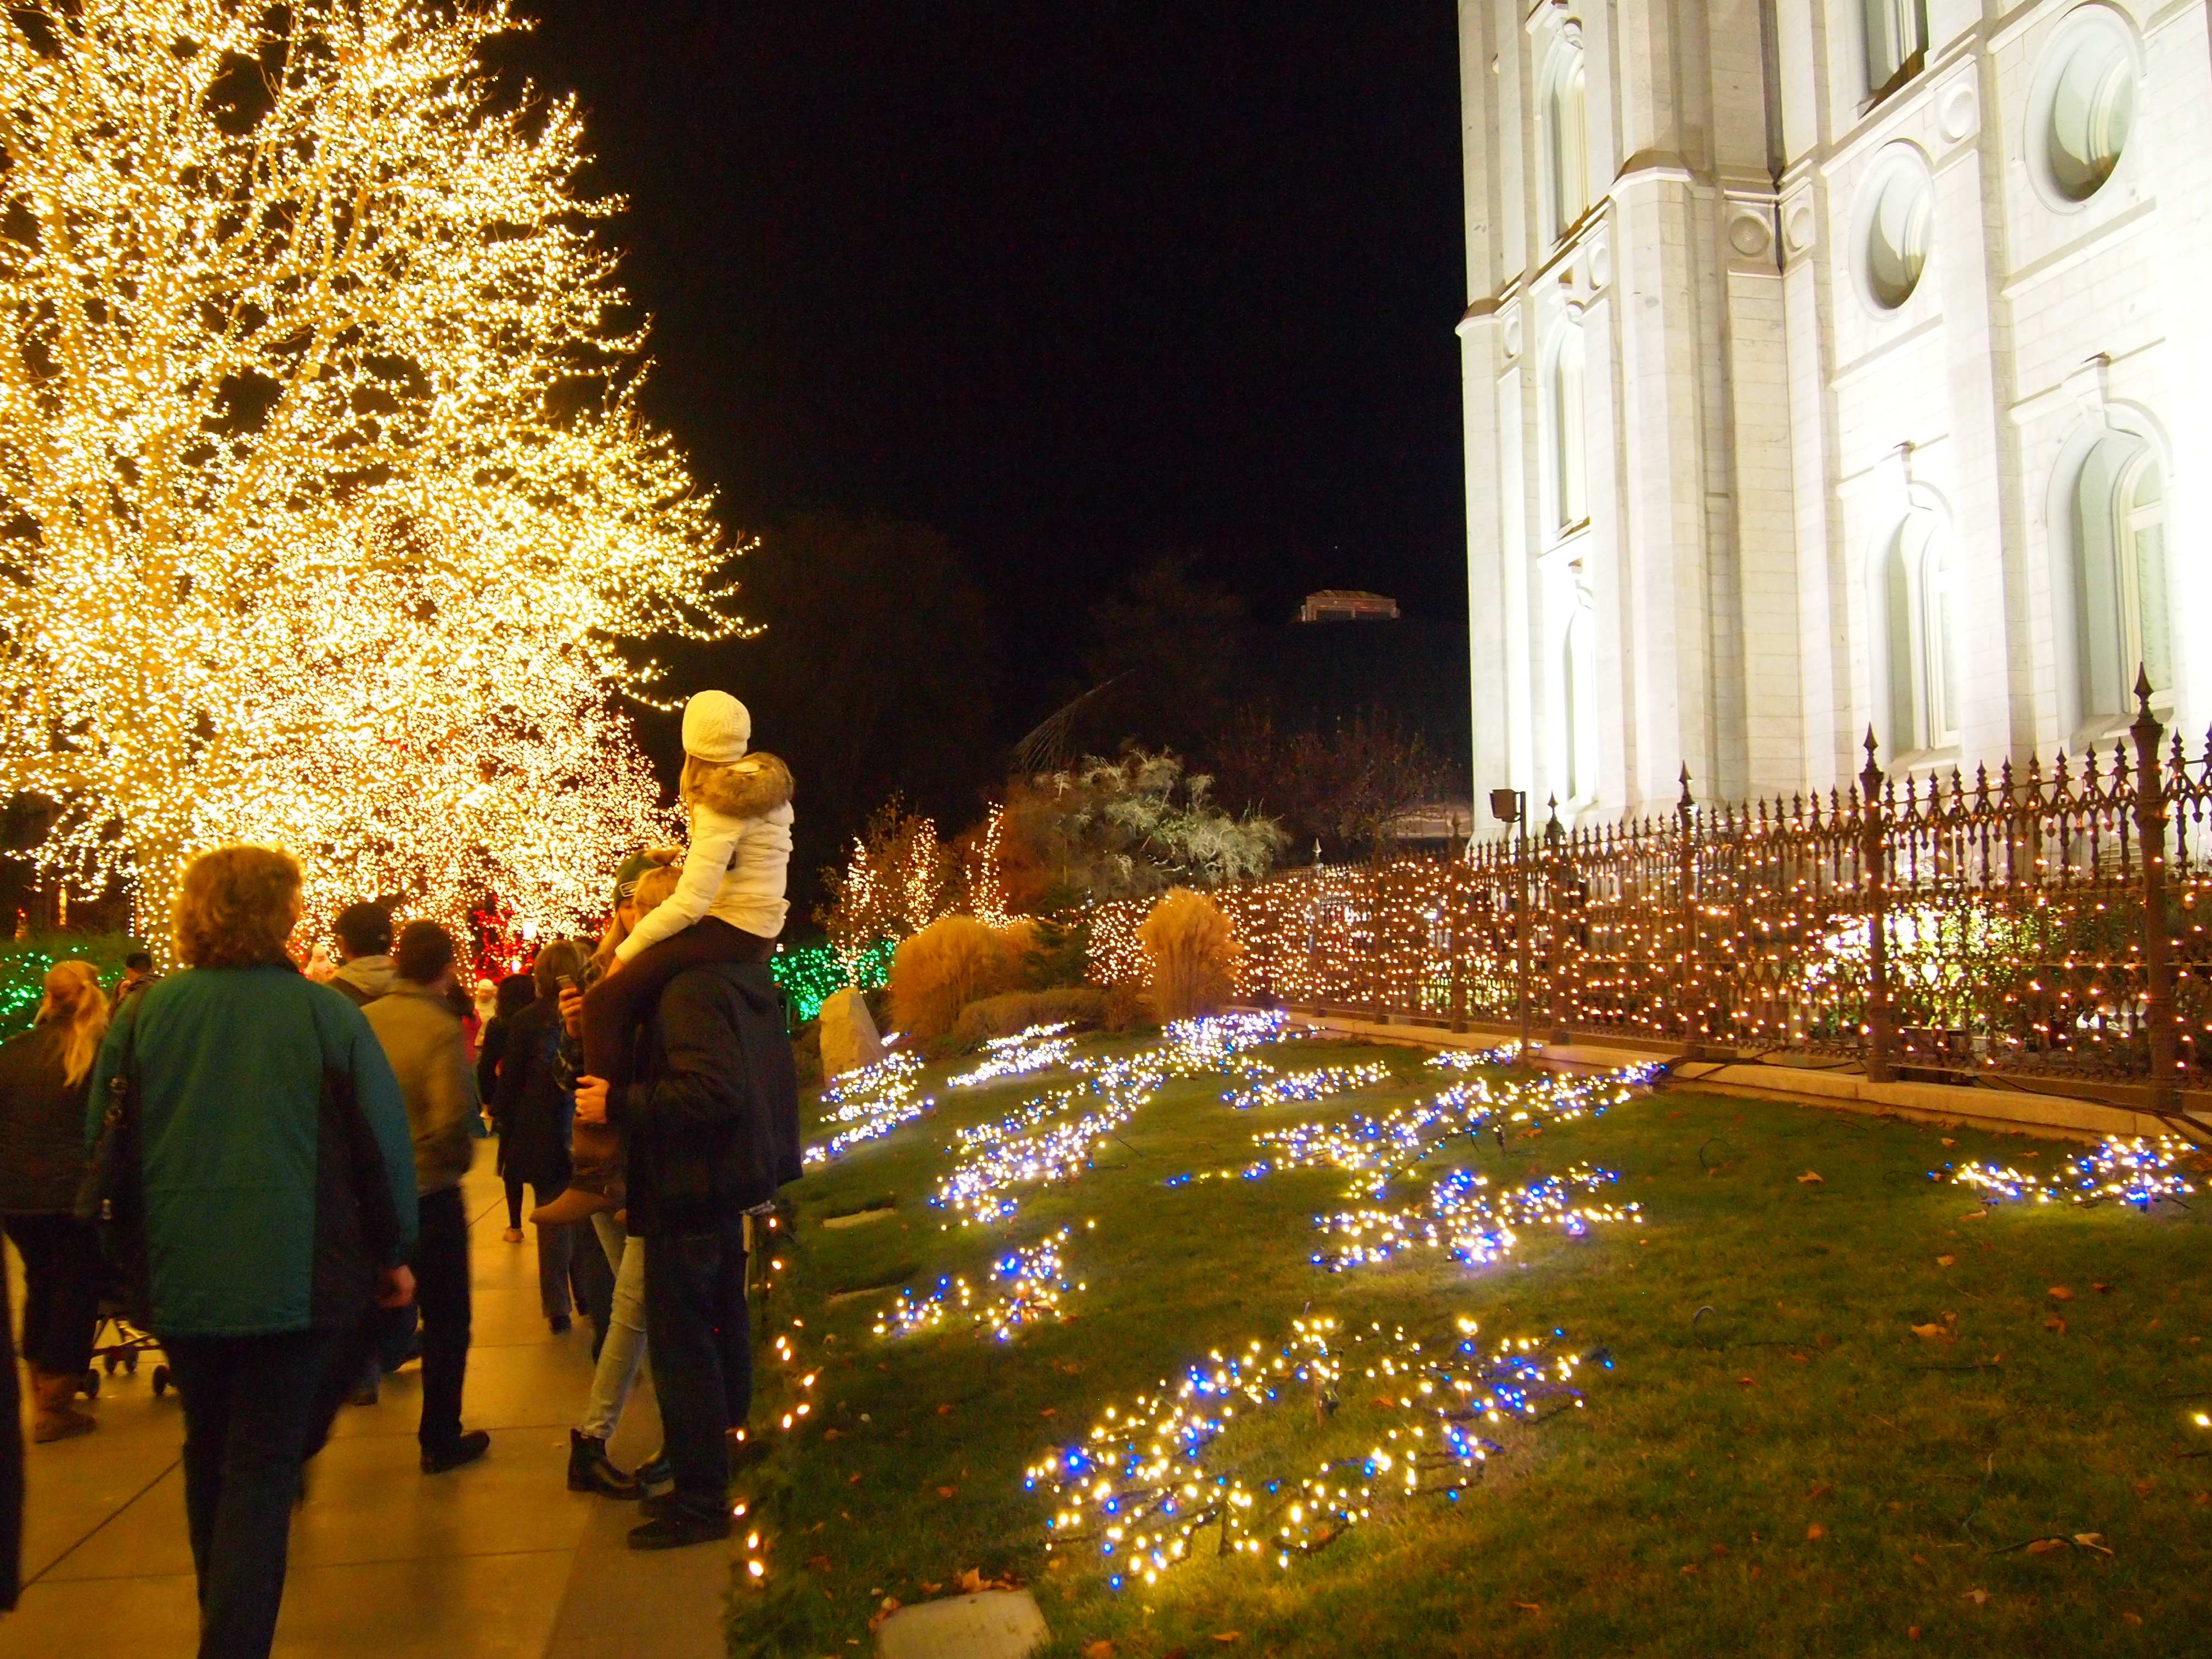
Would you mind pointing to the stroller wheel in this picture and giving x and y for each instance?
(88, 1385)
(161, 1380)
(108, 1362)
(130, 1364)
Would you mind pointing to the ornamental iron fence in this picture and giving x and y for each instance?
(2038, 921)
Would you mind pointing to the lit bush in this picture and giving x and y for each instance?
(936, 972)
(1191, 952)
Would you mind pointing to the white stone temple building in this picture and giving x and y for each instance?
(1830, 363)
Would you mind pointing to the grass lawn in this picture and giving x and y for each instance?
(1795, 1471)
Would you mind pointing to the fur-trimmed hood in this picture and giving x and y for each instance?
(750, 788)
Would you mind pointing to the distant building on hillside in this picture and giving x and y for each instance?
(1347, 604)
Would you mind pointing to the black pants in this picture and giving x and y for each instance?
(514, 1184)
(442, 1292)
(248, 1401)
(697, 1337)
(61, 1282)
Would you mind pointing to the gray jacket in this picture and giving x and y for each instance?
(429, 1054)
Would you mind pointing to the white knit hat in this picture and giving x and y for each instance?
(716, 727)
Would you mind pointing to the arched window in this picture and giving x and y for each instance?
(1896, 42)
(1567, 136)
(1578, 688)
(1919, 587)
(1565, 436)
(2119, 575)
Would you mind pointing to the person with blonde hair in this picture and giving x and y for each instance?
(45, 1076)
(277, 1173)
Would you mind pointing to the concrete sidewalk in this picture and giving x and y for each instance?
(498, 1560)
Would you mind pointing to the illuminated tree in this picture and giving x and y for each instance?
(314, 375)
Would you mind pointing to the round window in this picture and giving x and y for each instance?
(2082, 105)
(1899, 214)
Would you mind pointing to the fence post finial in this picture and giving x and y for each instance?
(1686, 804)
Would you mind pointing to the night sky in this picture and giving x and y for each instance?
(1077, 284)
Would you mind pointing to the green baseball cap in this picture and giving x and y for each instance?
(633, 871)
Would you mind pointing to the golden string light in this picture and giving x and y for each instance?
(330, 496)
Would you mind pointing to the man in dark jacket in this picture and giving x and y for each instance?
(710, 1131)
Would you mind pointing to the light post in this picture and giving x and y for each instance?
(1511, 807)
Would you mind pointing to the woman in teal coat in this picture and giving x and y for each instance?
(280, 1204)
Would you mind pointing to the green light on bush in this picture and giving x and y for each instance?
(812, 974)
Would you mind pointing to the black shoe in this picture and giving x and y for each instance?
(676, 1531)
(467, 1450)
(666, 1506)
(560, 1324)
(364, 1394)
(656, 1476)
(590, 1471)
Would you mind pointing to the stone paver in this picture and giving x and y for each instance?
(496, 1561)
(990, 1625)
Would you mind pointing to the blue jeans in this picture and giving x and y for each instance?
(249, 1402)
(699, 1339)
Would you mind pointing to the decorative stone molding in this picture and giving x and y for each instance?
(1960, 105)
(2090, 388)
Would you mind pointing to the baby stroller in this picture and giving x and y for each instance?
(117, 1343)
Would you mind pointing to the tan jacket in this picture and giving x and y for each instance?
(429, 1054)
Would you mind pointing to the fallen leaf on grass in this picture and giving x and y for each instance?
(889, 1607)
(1745, 1381)
(2060, 1293)
(1945, 1260)
(2046, 1546)
(1810, 1178)
(1383, 1401)
(1720, 1549)
(1977, 1596)
(833, 1434)
(1934, 1334)
(2143, 1488)
(2055, 1324)
(1692, 1568)
(1049, 1411)
(1099, 1651)
(2099, 1284)
(943, 1411)
(854, 1481)
(2132, 1617)
(931, 1588)
(1815, 1532)
(2091, 1541)
(1820, 1491)
(948, 1491)
(1227, 1635)
(1803, 1358)
(1530, 1607)
(1973, 1215)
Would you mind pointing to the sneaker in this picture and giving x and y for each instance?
(512, 1236)
(678, 1530)
(589, 1469)
(467, 1450)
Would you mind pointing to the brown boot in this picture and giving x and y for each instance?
(56, 1416)
(595, 1156)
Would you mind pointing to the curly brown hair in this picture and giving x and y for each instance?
(236, 906)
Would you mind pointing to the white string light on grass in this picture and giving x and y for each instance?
(871, 1100)
(2125, 1169)
(1034, 1283)
(1149, 1479)
(1040, 1048)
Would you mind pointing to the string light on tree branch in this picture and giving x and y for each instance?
(320, 437)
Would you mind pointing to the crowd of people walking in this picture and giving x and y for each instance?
(261, 1167)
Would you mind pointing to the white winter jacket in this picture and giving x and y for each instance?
(740, 859)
